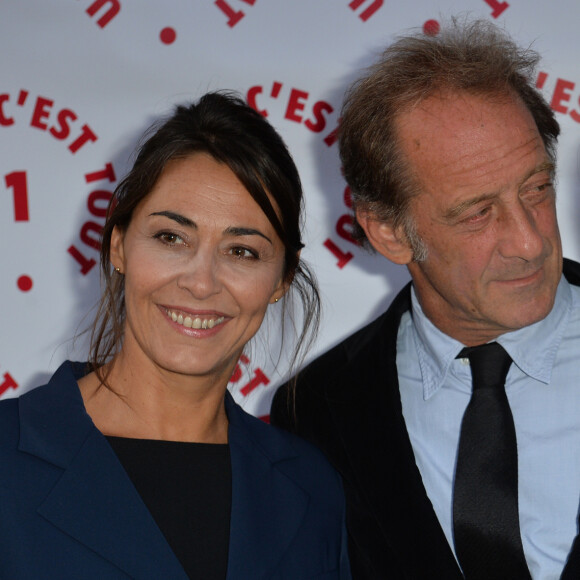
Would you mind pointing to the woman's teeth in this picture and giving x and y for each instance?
(195, 322)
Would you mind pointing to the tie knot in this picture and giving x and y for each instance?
(490, 364)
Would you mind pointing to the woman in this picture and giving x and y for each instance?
(139, 464)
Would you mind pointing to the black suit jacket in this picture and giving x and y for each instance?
(348, 403)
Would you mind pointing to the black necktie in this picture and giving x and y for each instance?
(485, 497)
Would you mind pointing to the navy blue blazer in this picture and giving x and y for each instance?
(68, 510)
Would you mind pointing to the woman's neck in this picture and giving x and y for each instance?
(143, 401)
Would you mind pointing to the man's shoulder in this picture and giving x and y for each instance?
(376, 337)
(334, 372)
(348, 350)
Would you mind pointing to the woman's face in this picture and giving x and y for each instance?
(201, 263)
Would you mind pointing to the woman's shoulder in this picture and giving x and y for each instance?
(9, 438)
(298, 457)
(8, 417)
(39, 405)
(10, 411)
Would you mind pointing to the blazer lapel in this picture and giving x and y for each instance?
(94, 500)
(382, 457)
(267, 506)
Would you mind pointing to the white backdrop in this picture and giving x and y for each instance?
(82, 79)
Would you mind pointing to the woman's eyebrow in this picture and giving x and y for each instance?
(231, 231)
(176, 217)
(238, 231)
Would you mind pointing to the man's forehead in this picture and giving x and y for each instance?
(454, 131)
(460, 111)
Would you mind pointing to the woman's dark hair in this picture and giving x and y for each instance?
(223, 126)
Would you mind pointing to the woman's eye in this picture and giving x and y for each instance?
(169, 238)
(243, 253)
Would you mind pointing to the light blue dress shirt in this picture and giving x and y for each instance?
(543, 388)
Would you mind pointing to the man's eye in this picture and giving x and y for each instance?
(482, 213)
(539, 193)
(543, 189)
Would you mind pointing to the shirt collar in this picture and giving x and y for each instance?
(532, 348)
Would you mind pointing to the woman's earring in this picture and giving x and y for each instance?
(118, 270)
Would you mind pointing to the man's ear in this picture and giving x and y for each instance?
(386, 240)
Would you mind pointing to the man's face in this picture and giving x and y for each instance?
(486, 214)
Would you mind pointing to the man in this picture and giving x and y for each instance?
(450, 155)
